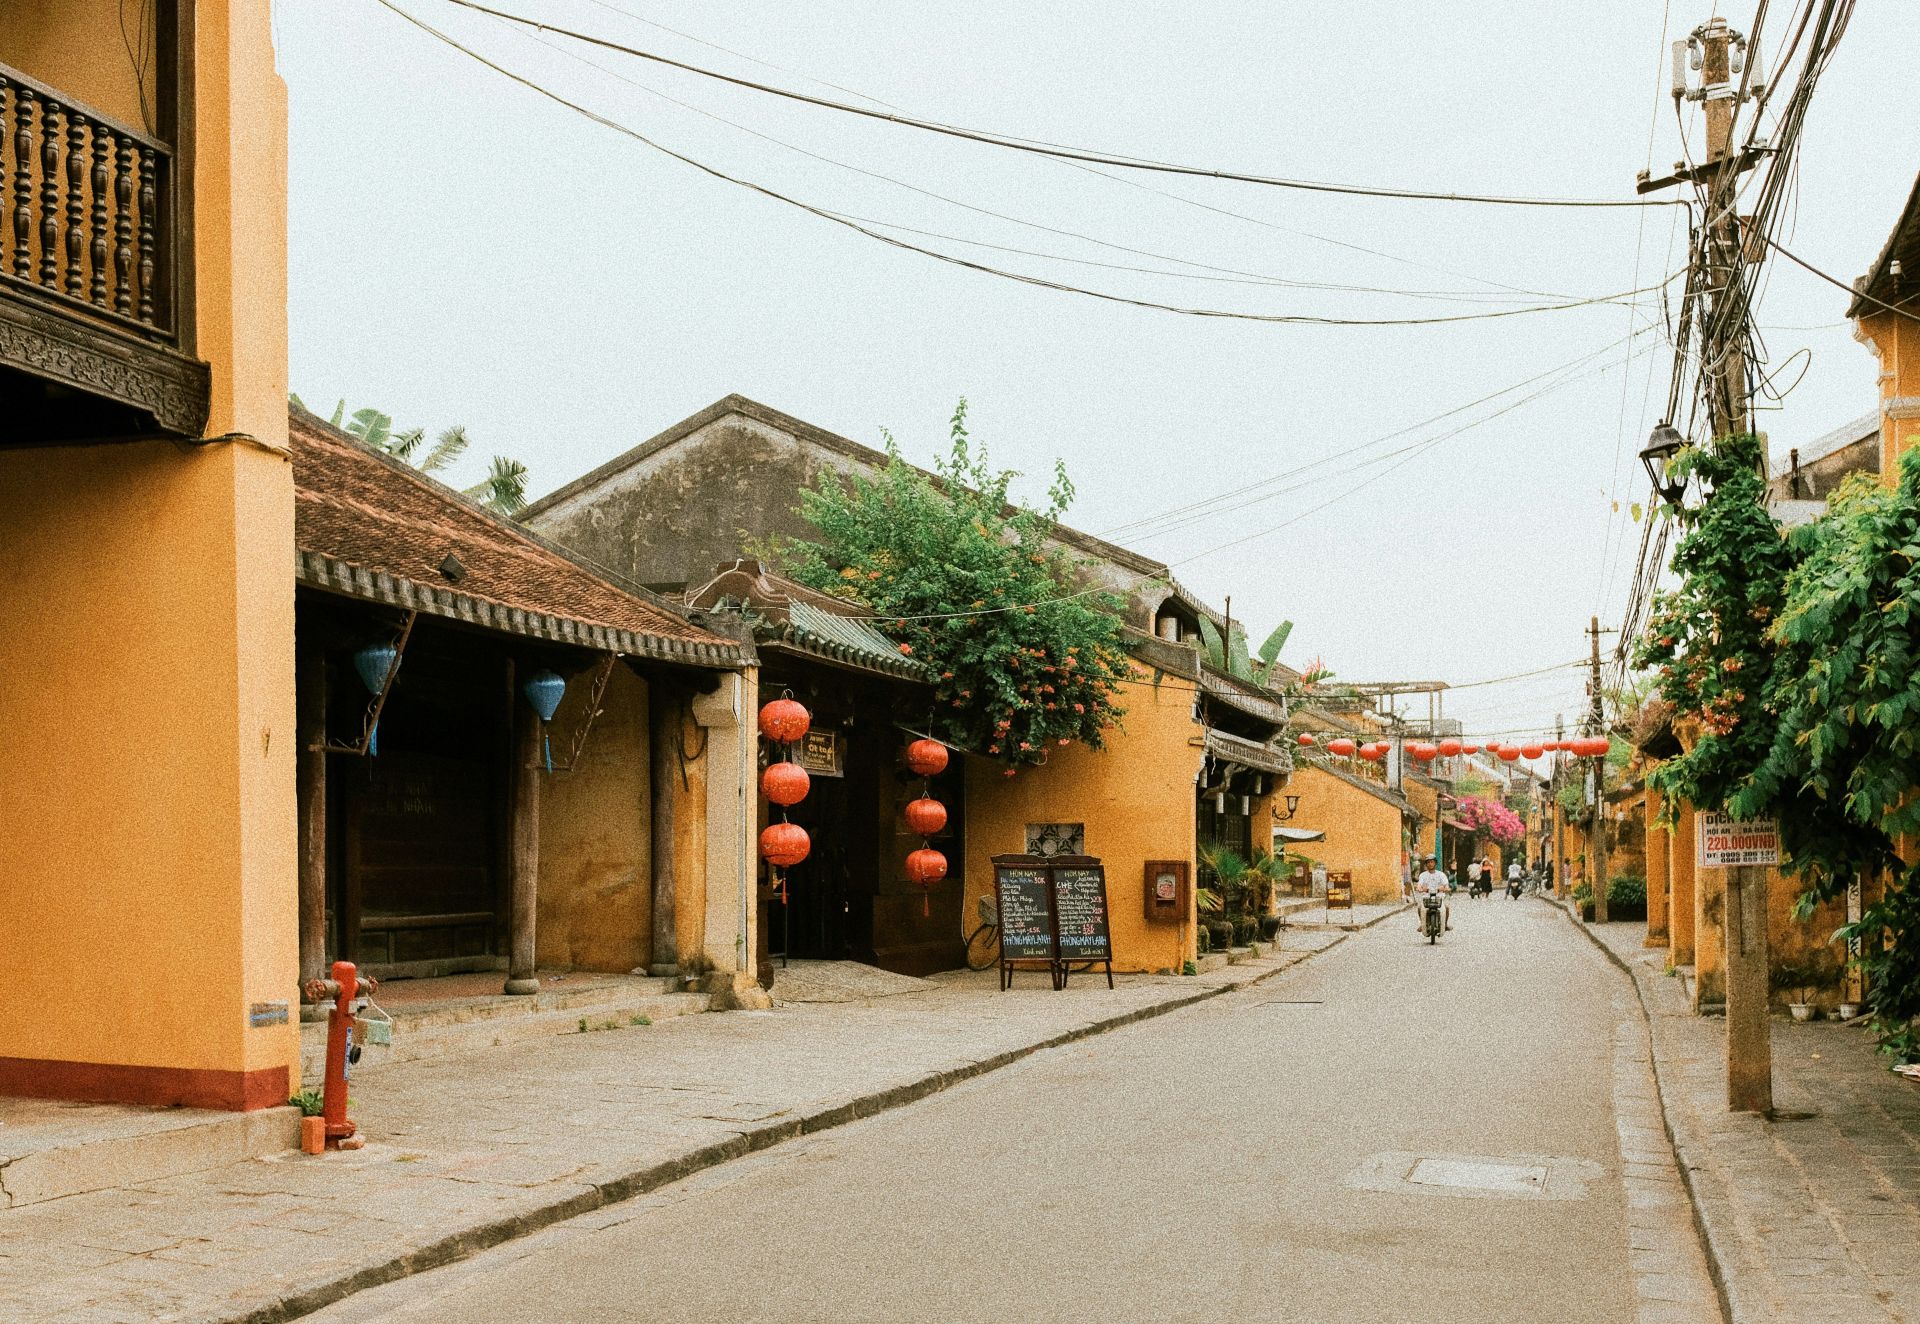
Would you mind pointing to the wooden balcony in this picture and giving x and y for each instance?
(93, 343)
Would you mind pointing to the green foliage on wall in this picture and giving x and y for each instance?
(1025, 657)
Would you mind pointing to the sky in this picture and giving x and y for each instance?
(465, 250)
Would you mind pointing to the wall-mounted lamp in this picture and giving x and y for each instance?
(1293, 807)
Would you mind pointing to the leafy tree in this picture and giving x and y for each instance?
(1708, 639)
(504, 489)
(1230, 654)
(1024, 659)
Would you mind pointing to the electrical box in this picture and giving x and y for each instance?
(1169, 890)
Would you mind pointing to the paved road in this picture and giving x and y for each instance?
(1241, 1160)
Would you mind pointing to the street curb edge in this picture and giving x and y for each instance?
(470, 1241)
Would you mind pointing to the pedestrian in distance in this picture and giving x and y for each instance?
(1473, 881)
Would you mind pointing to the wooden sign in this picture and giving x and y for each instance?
(1167, 894)
(1339, 888)
(1053, 913)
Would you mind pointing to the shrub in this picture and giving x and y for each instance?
(1627, 891)
(1202, 940)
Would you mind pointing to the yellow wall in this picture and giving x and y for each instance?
(1137, 799)
(146, 653)
(1683, 906)
(1895, 340)
(146, 747)
(97, 71)
(596, 848)
(1363, 832)
(1659, 878)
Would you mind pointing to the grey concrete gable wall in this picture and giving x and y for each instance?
(681, 509)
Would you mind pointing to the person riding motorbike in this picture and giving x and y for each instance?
(1432, 881)
(1515, 877)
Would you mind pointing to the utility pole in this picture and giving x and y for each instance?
(1721, 265)
(1597, 812)
(1559, 859)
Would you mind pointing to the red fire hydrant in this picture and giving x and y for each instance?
(347, 987)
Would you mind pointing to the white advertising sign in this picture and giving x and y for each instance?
(1727, 843)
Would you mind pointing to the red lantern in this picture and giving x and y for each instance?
(1306, 741)
(784, 844)
(1373, 753)
(1342, 746)
(1448, 748)
(926, 758)
(785, 783)
(1532, 751)
(926, 817)
(1508, 752)
(926, 866)
(1421, 750)
(1590, 747)
(1469, 749)
(784, 720)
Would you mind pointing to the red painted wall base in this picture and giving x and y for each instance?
(104, 1082)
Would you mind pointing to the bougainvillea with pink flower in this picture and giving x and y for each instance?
(1490, 818)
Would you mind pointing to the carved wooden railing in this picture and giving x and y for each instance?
(85, 208)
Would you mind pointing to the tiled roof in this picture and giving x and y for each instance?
(786, 614)
(369, 527)
(1880, 286)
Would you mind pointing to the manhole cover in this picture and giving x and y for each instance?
(1504, 1178)
(1477, 1176)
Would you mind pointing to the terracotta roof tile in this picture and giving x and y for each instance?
(384, 521)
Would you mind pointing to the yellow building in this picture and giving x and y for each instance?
(1364, 823)
(146, 610)
(1886, 316)
(1194, 766)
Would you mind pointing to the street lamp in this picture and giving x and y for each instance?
(1293, 807)
(1664, 443)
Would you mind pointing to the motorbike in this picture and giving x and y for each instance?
(1514, 887)
(1432, 917)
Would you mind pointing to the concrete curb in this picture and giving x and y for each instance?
(303, 1300)
(1703, 1227)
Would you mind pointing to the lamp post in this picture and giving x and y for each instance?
(1662, 445)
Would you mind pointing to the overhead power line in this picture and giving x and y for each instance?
(1040, 282)
(1801, 262)
(1062, 151)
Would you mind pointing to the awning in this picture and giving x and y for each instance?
(1298, 834)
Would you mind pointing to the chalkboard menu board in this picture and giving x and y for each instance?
(1053, 914)
(1080, 909)
(1026, 918)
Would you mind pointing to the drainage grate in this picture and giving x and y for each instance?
(1501, 1178)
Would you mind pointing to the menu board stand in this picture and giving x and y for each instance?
(1053, 915)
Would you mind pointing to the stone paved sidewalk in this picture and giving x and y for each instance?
(1805, 1221)
(467, 1152)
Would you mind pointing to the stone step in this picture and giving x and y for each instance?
(468, 1025)
(51, 1149)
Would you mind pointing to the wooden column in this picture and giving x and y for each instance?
(1680, 909)
(523, 846)
(310, 681)
(1659, 879)
(663, 746)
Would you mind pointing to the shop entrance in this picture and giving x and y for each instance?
(419, 828)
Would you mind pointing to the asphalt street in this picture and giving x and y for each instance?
(1245, 1159)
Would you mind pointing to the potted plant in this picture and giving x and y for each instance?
(1798, 983)
(1583, 898)
(1269, 927)
(1627, 897)
(313, 1127)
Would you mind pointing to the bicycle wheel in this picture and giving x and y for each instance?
(983, 948)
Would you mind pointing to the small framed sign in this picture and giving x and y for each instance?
(1727, 843)
(823, 752)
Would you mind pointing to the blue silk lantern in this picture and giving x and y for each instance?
(375, 664)
(544, 690)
